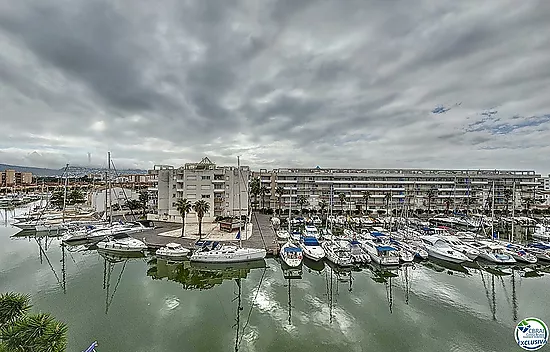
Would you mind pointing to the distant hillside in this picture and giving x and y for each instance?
(35, 170)
(74, 171)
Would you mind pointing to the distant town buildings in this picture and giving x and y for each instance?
(11, 178)
(217, 185)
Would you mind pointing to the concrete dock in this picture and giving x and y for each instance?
(263, 235)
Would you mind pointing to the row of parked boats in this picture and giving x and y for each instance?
(392, 248)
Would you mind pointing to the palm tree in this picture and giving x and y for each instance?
(263, 192)
(280, 190)
(12, 307)
(447, 202)
(143, 199)
(387, 199)
(366, 196)
(322, 206)
(183, 206)
(432, 193)
(201, 207)
(302, 200)
(342, 197)
(507, 194)
(255, 187)
(29, 333)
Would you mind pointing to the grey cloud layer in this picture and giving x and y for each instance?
(297, 83)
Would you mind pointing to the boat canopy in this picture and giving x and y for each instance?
(355, 242)
(311, 241)
(377, 234)
(292, 249)
(385, 248)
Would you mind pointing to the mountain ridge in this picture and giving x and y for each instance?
(73, 170)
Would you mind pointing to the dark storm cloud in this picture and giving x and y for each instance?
(282, 83)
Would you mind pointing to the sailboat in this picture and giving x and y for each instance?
(230, 253)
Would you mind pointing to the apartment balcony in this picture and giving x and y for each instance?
(153, 189)
(219, 190)
(218, 181)
(286, 181)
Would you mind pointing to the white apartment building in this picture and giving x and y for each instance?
(544, 191)
(217, 185)
(457, 189)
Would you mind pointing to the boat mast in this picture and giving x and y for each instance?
(65, 191)
(289, 208)
(331, 201)
(493, 214)
(109, 188)
(239, 187)
(513, 209)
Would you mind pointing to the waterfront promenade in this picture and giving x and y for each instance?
(261, 236)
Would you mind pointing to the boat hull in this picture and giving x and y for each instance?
(233, 258)
(442, 256)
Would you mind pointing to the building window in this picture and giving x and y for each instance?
(207, 177)
(191, 187)
(191, 177)
(173, 195)
(227, 204)
(205, 196)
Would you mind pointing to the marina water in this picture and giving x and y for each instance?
(145, 304)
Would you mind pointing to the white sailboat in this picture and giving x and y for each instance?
(229, 253)
(337, 254)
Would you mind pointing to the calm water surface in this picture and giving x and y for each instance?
(144, 304)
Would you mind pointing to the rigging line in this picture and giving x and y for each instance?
(255, 297)
(486, 290)
(123, 190)
(117, 282)
(505, 291)
(50, 264)
(223, 308)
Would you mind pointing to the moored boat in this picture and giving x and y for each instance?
(173, 251)
(291, 254)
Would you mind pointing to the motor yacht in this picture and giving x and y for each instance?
(440, 249)
(311, 248)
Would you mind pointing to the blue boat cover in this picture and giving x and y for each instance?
(310, 241)
(377, 234)
(385, 248)
(292, 249)
(355, 242)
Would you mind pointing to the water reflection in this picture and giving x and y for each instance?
(110, 261)
(200, 276)
(290, 274)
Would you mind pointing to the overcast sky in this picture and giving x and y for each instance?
(279, 82)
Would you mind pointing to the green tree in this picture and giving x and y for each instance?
(507, 194)
(387, 199)
(143, 199)
(302, 201)
(75, 197)
(322, 206)
(447, 202)
(366, 196)
(201, 207)
(57, 199)
(184, 207)
(432, 193)
(342, 198)
(255, 187)
(133, 204)
(21, 332)
(280, 191)
(263, 192)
